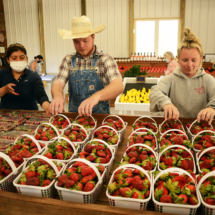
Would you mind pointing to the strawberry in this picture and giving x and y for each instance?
(60, 156)
(87, 171)
(112, 187)
(30, 174)
(62, 180)
(182, 164)
(45, 138)
(100, 160)
(75, 177)
(138, 185)
(101, 153)
(69, 183)
(125, 192)
(137, 195)
(37, 136)
(46, 183)
(89, 186)
(128, 173)
(166, 199)
(181, 199)
(210, 201)
(35, 181)
(48, 155)
(160, 191)
(92, 157)
(192, 200)
(79, 186)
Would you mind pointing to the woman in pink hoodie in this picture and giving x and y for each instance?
(172, 63)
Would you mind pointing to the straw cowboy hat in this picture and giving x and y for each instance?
(81, 27)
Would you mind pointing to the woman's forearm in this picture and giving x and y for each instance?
(2, 91)
(45, 106)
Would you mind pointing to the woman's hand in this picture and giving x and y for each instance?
(9, 89)
(170, 112)
(206, 114)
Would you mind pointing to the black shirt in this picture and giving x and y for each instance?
(29, 86)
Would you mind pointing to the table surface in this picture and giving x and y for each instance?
(14, 203)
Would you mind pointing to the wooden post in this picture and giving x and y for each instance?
(83, 7)
(131, 26)
(182, 18)
(41, 33)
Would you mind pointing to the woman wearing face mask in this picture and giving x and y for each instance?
(172, 63)
(21, 88)
(189, 91)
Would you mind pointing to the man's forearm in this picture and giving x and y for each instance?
(57, 90)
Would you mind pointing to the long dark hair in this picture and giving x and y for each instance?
(13, 48)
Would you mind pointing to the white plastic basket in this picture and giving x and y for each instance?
(138, 204)
(45, 192)
(171, 207)
(91, 130)
(117, 133)
(148, 117)
(176, 146)
(75, 151)
(108, 166)
(176, 129)
(206, 208)
(136, 131)
(145, 146)
(55, 129)
(80, 196)
(79, 144)
(122, 131)
(65, 117)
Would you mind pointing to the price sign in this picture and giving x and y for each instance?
(140, 79)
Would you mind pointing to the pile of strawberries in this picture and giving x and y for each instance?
(117, 125)
(177, 157)
(141, 124)
(80, 177)
(86, 121)
(174, 139)
(203, 142)
(45, 133)
(60, 122)
(199, 126)
(75, 134)
(39, 173)
(60, 150)
(24, 148)
(96, 152)
(129, 183)
(207, 189)
(141, 156)
(207, 161)
(175, 188)
(171, 124)
(146, 138)
(5, 168)
(106, 134)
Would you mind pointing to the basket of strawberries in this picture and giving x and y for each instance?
(205, 188)
(176, 156)
(174, 191)
(170, 124)
(140, 123)
(38, 177)
(129, 187)
(147, 138)
(80, 182)
(88, 122)
(107, 134)
(8, 172)
(62, 150)
(45, 133)
(77, 134)
(118, 124)
(141, 155)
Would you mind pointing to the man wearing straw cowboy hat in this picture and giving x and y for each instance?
(93, 75)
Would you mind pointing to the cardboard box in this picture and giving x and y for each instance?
(67, 98)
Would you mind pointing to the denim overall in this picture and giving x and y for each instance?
(82, 85)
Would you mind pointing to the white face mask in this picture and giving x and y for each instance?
(18, 66)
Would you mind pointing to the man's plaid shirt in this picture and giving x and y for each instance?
(106, 66)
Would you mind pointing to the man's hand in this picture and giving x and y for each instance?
(87, 105)
(57, 103)
(172, 111)
(206, 114)
(9, 89)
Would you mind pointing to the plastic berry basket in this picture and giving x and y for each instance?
(147, 117)
(176, 146)
(6, 184)
(170, 207)
(122, 131)
(80, 144)
(206, 208)
(75, 150)
(108, 166)
(138, 204)
(91, 130)
(145, 146)
(117, 133)
(80, 196)
(45, 192)
(160, 126)
(147, 130)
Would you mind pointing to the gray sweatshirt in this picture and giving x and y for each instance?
(188, 95)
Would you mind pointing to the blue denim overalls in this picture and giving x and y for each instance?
(83, 84)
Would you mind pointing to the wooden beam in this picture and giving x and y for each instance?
(182, 18)
(83, 7)
(131, 26)
(41, 33)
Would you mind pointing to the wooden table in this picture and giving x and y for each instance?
(14, 203)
